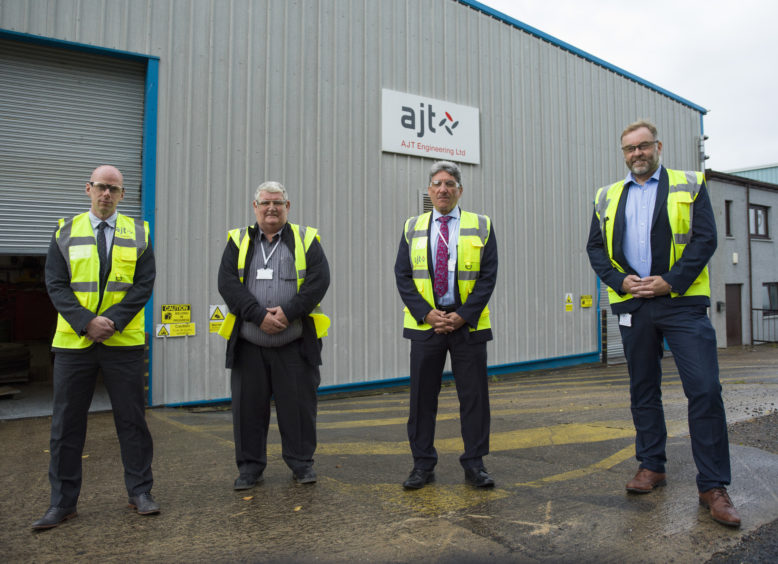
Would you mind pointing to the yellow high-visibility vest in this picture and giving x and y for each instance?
(78, 245)
(473, 235)
(683, 191)
(303, 237)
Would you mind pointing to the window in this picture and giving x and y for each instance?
(772, 298)
(728, 217)
(757, 219)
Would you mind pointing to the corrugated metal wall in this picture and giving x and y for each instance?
(290, 90)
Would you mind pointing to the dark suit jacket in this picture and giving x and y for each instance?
(66, 303)
(685, 270)
(244, 305)
(470, 311)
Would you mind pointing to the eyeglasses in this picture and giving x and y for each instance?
(100, 187)
(268, 203)
(628, 149)
(447, 183)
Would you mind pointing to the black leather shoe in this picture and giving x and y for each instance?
(478, 477)
(307, 476)
(418, 479)
(246, 482)
(144, 504)
(54, 516)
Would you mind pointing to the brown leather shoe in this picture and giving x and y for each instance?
(645, 481)
(721, 508)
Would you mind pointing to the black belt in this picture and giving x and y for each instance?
(447, 309)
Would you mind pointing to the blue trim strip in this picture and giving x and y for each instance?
(149, 187)
(583, 54)
(60, 43)
(200, 402)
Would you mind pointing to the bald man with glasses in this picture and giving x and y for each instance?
(100, 273)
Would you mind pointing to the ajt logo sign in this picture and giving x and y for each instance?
(408, 120)
(426, 127)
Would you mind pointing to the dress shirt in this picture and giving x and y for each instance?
(639, 211)
(453, 238)
(108, 230)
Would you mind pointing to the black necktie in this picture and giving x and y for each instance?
(102, 252)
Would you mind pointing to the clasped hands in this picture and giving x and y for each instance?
(275, 321)
(648, 287)
(443, 322)
(100, 329)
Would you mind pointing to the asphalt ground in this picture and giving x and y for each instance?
(561, 452)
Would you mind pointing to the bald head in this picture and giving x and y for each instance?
(107, 170)
(106, 189)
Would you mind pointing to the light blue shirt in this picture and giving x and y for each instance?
(641, 201)
(109, 231)
(453, 238)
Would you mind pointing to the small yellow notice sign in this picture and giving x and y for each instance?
(176, 313)
(216, 315)
(176, 330)
(586, 301)
(568, 302)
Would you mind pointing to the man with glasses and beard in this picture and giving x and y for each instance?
(652, 235)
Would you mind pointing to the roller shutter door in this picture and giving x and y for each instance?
(615, 350)
(62, 113)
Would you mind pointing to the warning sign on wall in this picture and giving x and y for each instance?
(175, 330)
(216, 315)
(176, 313)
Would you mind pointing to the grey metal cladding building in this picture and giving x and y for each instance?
(241, 91)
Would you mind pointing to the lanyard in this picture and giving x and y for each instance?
(266, 257)
(436, 230)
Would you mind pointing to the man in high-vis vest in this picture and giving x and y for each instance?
(273, 276)
(446, 269)
(100, 273)
(652, 235)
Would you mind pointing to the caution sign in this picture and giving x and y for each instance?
(176, 330)
(176, 313)
(586, 301)
(568, 302)
(216, 315)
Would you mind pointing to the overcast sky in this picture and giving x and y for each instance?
(721, 55)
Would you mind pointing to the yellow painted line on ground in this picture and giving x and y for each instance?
(451, 416)
(402, 420)
(453, 403)
(199, 429)
(434, 499)
(573, 433)
(605, 464)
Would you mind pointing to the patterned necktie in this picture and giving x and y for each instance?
(102, 252)
(441, 258)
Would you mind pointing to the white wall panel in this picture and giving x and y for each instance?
(251, 90)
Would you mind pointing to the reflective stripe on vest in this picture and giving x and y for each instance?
(684, 187)
(473, 235)
(78, 245)
(303, 237)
